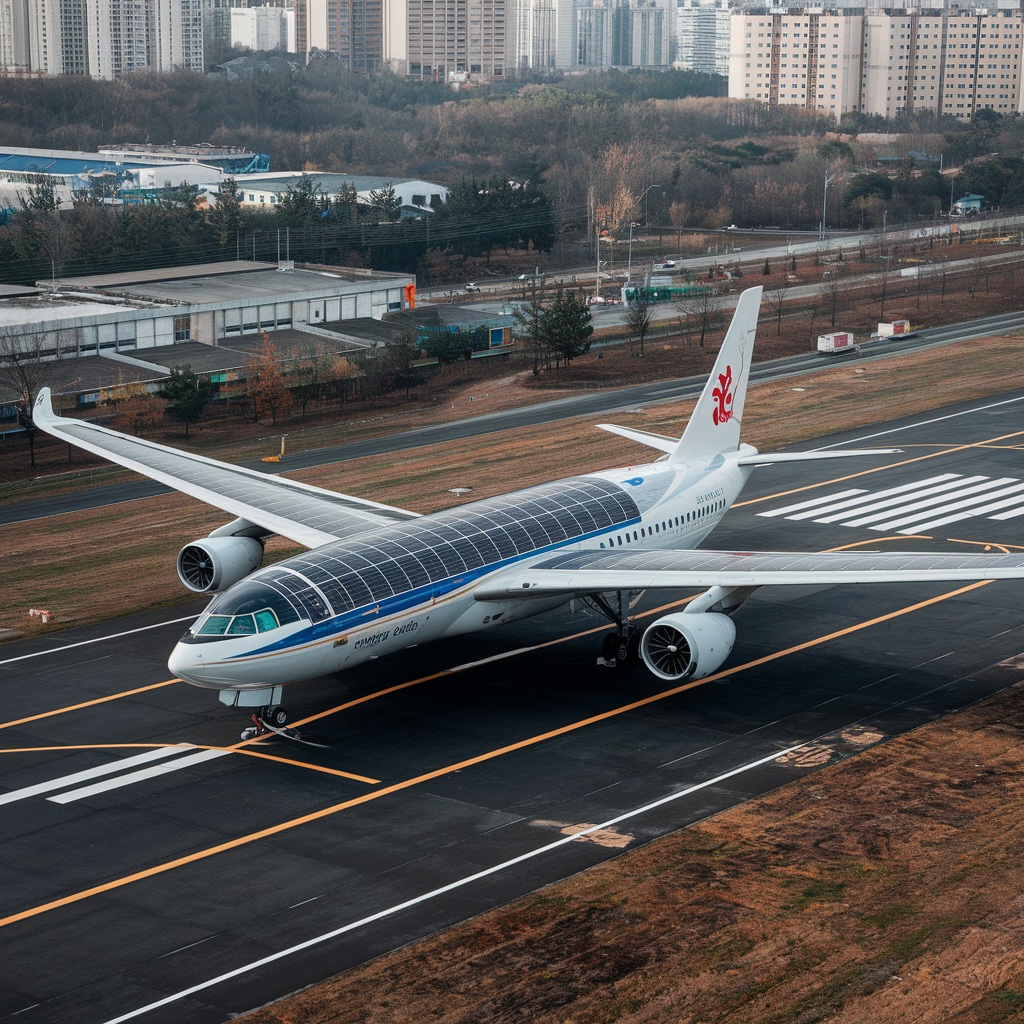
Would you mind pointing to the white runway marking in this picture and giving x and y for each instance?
(450, 887)
(813, 503)
(914, 507)
(92, 773)
(139, 776)
(98, 639)
(920, 423)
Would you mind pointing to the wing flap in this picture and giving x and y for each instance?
(600, 571)
(305, 514)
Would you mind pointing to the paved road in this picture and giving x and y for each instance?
(150, 889)
(588, 403)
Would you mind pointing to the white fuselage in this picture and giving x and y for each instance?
(669, 505)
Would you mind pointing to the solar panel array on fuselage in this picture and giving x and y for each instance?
(393, 560)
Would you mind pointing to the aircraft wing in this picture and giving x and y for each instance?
(308, 515)
(592, 572)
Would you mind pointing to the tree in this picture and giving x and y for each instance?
(775, 300)
(638, 319)
(265, 384)
(530, 317)
(831, 292)
(304, 200)
(226, 216)
(386, 201)
(27, 363)
(567, 326)
(188, 394)
(449, 346)
(702, 313)
(137, 409)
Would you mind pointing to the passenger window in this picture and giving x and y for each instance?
(656, 530)
(620, 542)
(215, 625)
(266, 620)
(634, 535)
(242, 625)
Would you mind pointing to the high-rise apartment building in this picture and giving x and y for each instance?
(448, 38)
(356, 30)
(703, 29)
(951, 61)
(622, 33)
(101, 38)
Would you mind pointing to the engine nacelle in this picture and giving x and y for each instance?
(683, 646)
(215, 563)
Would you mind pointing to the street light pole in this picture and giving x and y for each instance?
(629, 264)
(824, 204)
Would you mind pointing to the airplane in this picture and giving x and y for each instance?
(376, 579)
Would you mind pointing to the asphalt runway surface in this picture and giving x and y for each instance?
(137, 873)
(589, 403)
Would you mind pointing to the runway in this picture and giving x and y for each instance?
(155, 870)
(589, 403)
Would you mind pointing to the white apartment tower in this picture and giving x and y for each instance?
(30, 36)
(703, 33)
(797, 58)
(951, 61)
(100, 38)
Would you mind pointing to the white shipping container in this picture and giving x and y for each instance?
(896, 327)
(835, 342)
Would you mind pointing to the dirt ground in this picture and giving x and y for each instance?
(884, 888)
(94, 565)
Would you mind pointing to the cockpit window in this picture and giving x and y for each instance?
(215, 625)
(266, 620)
(248, 609)
(242, 625)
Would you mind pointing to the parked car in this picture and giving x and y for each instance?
(472, 288)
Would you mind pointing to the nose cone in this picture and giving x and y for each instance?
(184, 665)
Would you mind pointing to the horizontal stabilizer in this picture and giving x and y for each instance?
(659, 441)
(767, 460)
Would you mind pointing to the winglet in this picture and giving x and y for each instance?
(715, 424)
(43, 412)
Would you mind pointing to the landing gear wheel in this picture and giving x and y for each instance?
(276, 716)
(610, 646)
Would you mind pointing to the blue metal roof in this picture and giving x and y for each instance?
(61, 165)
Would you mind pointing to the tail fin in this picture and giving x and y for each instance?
(715, 424)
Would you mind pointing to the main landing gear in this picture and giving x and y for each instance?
(620, 648)
(266, 719)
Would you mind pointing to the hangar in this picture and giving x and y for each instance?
(205, 303)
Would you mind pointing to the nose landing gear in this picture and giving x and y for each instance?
(265, 720)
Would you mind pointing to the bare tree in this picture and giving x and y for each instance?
(775, 300)
(638, 319)
(831, 292)
(702, 312)
(28, 362)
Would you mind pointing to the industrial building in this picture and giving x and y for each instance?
(135, 310)
(417, 197)
(950, 61)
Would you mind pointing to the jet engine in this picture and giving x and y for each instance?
(215, 563)
(683, 646)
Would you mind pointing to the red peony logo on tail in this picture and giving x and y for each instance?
(724, 394)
